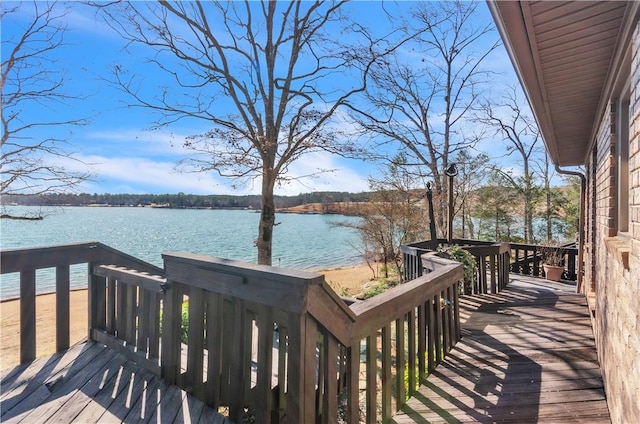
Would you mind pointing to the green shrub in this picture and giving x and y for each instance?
(469, 266)
(380, 286)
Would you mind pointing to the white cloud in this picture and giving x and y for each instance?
(144, 175)
(139, 175)
(343, 176)
(151, 157)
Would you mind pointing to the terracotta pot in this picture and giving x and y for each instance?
(552, 272)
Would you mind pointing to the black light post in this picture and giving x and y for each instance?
(451, 172)
(433, 242)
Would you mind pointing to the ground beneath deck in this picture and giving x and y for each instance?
(527, 355)
(90, 383)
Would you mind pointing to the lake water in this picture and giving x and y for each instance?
(300, 241)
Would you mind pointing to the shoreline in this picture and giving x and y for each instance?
(344, 280)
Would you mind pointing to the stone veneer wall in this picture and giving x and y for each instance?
(612, 264)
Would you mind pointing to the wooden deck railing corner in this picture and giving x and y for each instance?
(492, 261)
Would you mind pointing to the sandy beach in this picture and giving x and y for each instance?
(345, 281)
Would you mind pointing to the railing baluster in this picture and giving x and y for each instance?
(321, 376)
(111, 305)
(330, 411)
(62, 307)
(27, 315)
(494, 270)
(456, 314)
(483, 274)
(283, 354)
(154, 326)
(265, 365)
(215, 322)
(310, 368)
(422, 342)
(121, 302)
(438, 328)
(353, 383)
(238, 357)
(228, 340)
(446, 321)
(142, 342)
(411, 330)
(97, 301)
(372, 385)
(195, 347)
(131, 306)
(401, 362)
(432, 335)
(386, 372)
(171, 321)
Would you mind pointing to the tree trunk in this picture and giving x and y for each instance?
(264, 242)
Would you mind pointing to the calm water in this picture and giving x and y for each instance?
(300, 241)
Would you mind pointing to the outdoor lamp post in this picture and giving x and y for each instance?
(433, 241)
(451, 172)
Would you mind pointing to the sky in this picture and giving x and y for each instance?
(124, 150)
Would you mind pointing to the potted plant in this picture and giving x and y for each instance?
(552, 257)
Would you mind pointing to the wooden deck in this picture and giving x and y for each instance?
(526, 355)
(90, 383)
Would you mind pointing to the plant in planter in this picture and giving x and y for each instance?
(469, 266)
(552, 257)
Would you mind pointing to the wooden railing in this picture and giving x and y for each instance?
(412, 326)
(271, 344)
(285, 347)
(28, 261)
(125, 312)
(526, 260)
(492, 261)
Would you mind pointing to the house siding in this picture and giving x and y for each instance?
(612, 262)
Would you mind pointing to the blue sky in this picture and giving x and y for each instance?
(127, 156)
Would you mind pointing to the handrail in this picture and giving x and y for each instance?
(22, 259)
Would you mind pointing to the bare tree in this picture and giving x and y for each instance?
(472, 176)
(30, 163)
(496, 209)
(421, 104)
(267, 77)
(393, 216)
(519, 130)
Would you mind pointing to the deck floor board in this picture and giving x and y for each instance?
(91, 383)
(527, 355)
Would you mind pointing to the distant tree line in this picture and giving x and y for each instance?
(182, 200)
